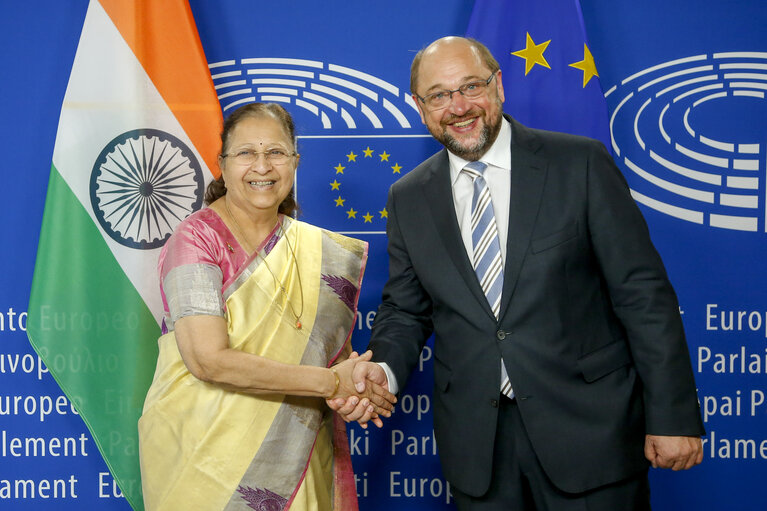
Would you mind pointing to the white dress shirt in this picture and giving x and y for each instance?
(498, 178)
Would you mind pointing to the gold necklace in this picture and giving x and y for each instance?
(276, 280)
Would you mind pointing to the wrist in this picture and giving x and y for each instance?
(336, 383)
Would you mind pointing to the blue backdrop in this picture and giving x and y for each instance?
(685, 83)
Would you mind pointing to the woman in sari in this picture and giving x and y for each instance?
(259, 310)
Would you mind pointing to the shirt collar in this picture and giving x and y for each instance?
(499, 154)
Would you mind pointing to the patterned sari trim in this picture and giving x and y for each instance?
(257, 257)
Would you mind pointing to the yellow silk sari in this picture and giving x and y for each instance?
(205, 448)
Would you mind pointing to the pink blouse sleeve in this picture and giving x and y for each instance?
(191, 268)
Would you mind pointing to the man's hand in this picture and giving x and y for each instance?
(372, 387)
(674, 452)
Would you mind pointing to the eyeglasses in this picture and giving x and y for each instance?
(440, 99)
(246, 157)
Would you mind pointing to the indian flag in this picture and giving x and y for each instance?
(135, 148)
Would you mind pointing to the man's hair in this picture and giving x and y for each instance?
(481, 50)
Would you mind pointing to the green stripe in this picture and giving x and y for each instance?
(93, 330)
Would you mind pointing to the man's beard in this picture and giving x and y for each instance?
(473, 153)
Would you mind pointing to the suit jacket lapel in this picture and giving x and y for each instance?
(528, 173)
(439, 197)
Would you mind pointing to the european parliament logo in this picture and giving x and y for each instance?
(692, 135)
(357, 133)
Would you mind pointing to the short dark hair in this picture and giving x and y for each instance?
(482, 51)
(217, 188)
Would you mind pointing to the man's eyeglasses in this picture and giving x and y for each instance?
(246, 157)
(440, 99)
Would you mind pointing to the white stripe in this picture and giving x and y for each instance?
(277, 90)
(675, 211)
(279, 99)
(704, 158)
(748, 85)
(229, 84)
(750, 93)
(335, 93)
(743, 65)
(740, 223)
(748, 148)
(226, 75)
(674, 75)
(214, 65)
(281, 72)
(396, 113)
(312, 108)
(685, 84)
(238, 92)
(722, 146)
(691, 193)
(350, 85)
(662, 66)
(705, 177)
(366, 77)
(372, 117)
(745, 164)
(249, 99)
(278, 81)
(741, 55)
(324, 101)
(745, 76)
(348, 119)
(739, 201)
(293, 62)
(698, 91)
(743, 183)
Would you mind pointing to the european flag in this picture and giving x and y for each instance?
(343, 181)
(549, 76)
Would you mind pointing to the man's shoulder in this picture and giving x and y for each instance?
(437, 162)
(551, 141)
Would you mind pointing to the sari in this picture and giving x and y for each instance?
(203, 447)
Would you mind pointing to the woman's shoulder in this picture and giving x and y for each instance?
(198, 238)
(201, 220)
(353, 245)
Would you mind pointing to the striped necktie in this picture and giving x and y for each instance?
(486, 259)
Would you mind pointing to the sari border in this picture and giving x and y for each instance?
(334, 416)
(363, 265)
(227, 291)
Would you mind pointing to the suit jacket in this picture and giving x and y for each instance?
(589, 327)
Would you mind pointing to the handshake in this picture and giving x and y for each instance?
(363, 391)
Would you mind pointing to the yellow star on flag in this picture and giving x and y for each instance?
(368, 152)
(368, 218)
(396, 168)
(339, 169)
(384, 156)
(384, 213)
(340, 201)
(533, 54)
(352, 156)
(586, 65)
(351, 213)
(335, 184)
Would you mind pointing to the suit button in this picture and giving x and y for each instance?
(501, 335)
(494, 403)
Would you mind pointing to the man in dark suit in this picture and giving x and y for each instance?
(560, 363)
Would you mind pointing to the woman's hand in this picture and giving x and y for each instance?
(364, 401)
